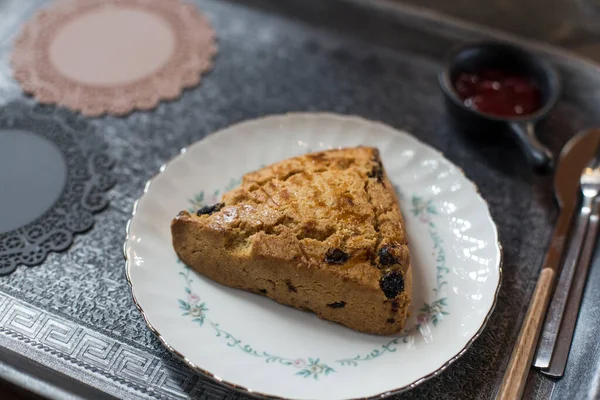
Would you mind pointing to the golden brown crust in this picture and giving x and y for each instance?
(321, 232)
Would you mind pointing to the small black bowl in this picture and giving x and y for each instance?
(477, 56)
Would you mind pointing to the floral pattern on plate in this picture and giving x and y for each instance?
(195, 309)
(251, 342)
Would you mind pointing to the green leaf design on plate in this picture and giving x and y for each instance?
(313, 367)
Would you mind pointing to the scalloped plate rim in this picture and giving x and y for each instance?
(232, 130)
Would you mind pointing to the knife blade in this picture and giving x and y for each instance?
(573, 158)
(556, 309)
(565, 337)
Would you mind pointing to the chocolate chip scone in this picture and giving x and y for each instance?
(321, 232)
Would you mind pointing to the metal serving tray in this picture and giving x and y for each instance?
(74, 314)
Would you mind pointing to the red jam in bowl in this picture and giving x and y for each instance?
(498, 93)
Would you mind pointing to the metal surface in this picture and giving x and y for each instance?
(74, 314)
(44, 381)
(570, 23)
(565, 336)
(587, 191)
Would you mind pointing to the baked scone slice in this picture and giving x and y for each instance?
(321, 232)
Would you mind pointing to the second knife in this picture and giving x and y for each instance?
(581, 149)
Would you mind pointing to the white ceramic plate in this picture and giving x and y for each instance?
(254, 344)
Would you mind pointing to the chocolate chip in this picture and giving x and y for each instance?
(395, 305)
(390, 320)
(392, 283)
(377, 170)
(386, 257)
(263, 291)
(291, 287)
(336, 256)
(375, 157)
(209, 210)
(337, 304)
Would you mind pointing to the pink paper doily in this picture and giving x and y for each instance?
(113, 56)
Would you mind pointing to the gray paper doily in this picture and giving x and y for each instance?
(55, 175)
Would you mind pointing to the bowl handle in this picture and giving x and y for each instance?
(538, 155)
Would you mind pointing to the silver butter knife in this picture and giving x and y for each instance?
(567, 327)
(589, 189)
(573, 159)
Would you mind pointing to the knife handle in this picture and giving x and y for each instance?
(515, 376)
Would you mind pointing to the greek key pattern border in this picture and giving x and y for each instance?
(98, 354)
